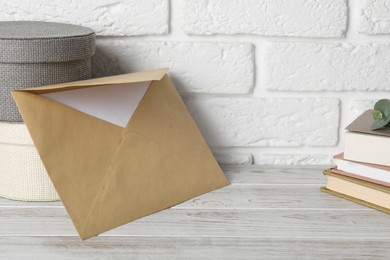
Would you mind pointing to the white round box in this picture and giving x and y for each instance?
(22, 174)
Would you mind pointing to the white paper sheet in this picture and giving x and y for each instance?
(113, 103)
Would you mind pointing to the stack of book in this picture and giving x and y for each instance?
(362, 172)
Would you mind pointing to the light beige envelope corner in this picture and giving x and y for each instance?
(108, 175)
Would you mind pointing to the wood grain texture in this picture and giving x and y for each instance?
(237, 196)
(267, 213)
(190, 248)
(251, 174)
(252, 187)
(196, 222)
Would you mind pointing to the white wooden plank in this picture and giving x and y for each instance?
(266, 213)
(254, 174)
(27, 204)
(269, 197)
(275, 191)
(204, 223)
(246, 197)
(190, 248)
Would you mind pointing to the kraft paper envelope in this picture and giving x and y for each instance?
(118, 148)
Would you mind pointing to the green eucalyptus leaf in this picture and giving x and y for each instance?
(383, 105)
(379, 124)
(381, 114)
(377, 115)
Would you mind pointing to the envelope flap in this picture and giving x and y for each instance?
(112, 80)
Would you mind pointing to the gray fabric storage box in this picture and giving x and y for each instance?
(34, 54)
(41, 53)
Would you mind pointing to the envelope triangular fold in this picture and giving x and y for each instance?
(112, 103)
(107, 175)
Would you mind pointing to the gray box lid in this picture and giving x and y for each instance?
(38, 42)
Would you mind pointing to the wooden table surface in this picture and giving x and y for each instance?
(266, 213)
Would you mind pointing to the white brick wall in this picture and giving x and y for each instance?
(201, 67)
(106, 17)
(375, 17)
(265, 17)
(294, 159)
(266, 121)
(267, 81)
(358, 106)
(297, 66)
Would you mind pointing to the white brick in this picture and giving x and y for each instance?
(106, 17)
(295, 66)
(267, 121)
(225, 158)
(265, 17)
(194, 66)
(374, 17)
(357, 107)
(294, 159)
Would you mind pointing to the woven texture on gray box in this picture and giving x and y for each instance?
(35, 54)
(34, 42)
(19, 76)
